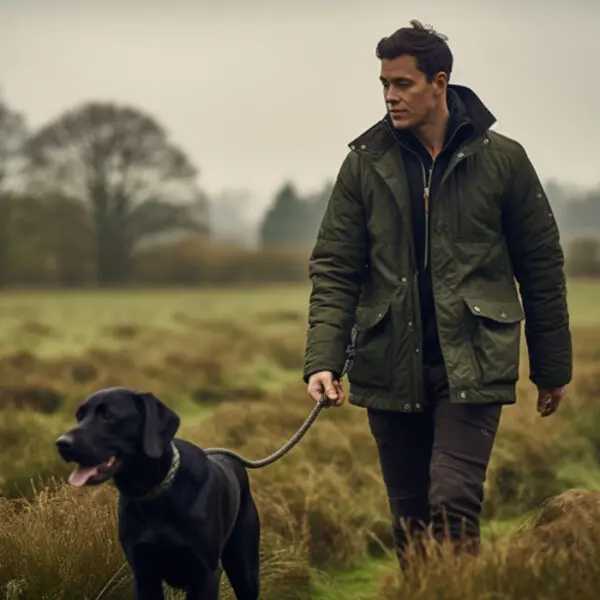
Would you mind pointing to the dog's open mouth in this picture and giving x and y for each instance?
(94, 475)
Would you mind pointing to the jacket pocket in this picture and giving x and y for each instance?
(372, 366)
(496, 339)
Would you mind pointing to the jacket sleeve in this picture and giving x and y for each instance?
(336, 267)
(538, 264)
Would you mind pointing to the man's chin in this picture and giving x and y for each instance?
(401, 123)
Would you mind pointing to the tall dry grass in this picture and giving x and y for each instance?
(323, 506)
(546, 472)
(316, 507)
(555, 554)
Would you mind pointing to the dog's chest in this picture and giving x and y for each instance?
(168, 537)
(177, 555)
(179, 565)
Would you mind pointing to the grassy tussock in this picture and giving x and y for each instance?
(556, 554)
(323, 507)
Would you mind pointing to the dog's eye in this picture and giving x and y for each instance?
(105, 415)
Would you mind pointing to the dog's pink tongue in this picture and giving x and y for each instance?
(80, 475)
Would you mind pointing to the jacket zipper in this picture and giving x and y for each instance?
(426, 191)
(426, 195)
(427, 184)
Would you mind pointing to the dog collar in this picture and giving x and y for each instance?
(166, 483)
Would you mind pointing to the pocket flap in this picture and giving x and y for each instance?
(501, 312)
(368, 317)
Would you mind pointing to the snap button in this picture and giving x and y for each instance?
(463, 395)
(379, 315)
(460, 154)
(540, 195)
(410, 324)
(363, 147)
(417, 406)
(417, 350)
(407, 407)
(476, 308)
(504, 315)
(403, 280)
(486, 141)
(353, 147)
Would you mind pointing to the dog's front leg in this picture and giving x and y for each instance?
(148, 588)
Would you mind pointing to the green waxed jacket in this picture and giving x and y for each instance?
(490, 224)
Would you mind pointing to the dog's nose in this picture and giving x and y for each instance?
(64, 442)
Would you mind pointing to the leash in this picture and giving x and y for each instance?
(257, 464)
(323, 403)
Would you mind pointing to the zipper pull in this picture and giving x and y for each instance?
(427, 182)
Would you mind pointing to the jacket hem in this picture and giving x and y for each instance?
(385, 400)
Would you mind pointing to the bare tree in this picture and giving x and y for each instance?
(13, 132)
(120, 162)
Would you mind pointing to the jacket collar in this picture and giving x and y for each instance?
(464, 106)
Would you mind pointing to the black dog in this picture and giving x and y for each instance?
(182, 514)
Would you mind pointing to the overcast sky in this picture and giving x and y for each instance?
(256, 92)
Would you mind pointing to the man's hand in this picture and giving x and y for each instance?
(323, 382)
(548, 400)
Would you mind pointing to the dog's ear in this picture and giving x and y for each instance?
(160, 425)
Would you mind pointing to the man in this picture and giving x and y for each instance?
(431, 219)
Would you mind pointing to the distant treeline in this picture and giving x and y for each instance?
(101, 196)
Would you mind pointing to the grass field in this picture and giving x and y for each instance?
(229, 361)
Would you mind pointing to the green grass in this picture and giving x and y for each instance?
(584, 302)
(59, 324)
(362, 582)
(65, 322)
(358, 583)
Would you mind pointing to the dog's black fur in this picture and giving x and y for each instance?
(205, 519)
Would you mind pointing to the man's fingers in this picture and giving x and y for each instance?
(334, 393)
(323, 385)
(550, 406)
(315, 394)
(340, 392)
(549, 400)
(331, 392)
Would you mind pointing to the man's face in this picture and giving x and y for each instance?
(409, 97)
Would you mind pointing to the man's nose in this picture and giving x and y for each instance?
(391, 96)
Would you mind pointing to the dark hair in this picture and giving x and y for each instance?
(428, 47)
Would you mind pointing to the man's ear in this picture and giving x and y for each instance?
(440, 82)
(160, 425)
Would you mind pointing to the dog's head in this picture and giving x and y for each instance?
(116, 426)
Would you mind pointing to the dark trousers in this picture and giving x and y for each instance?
(434, 464)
